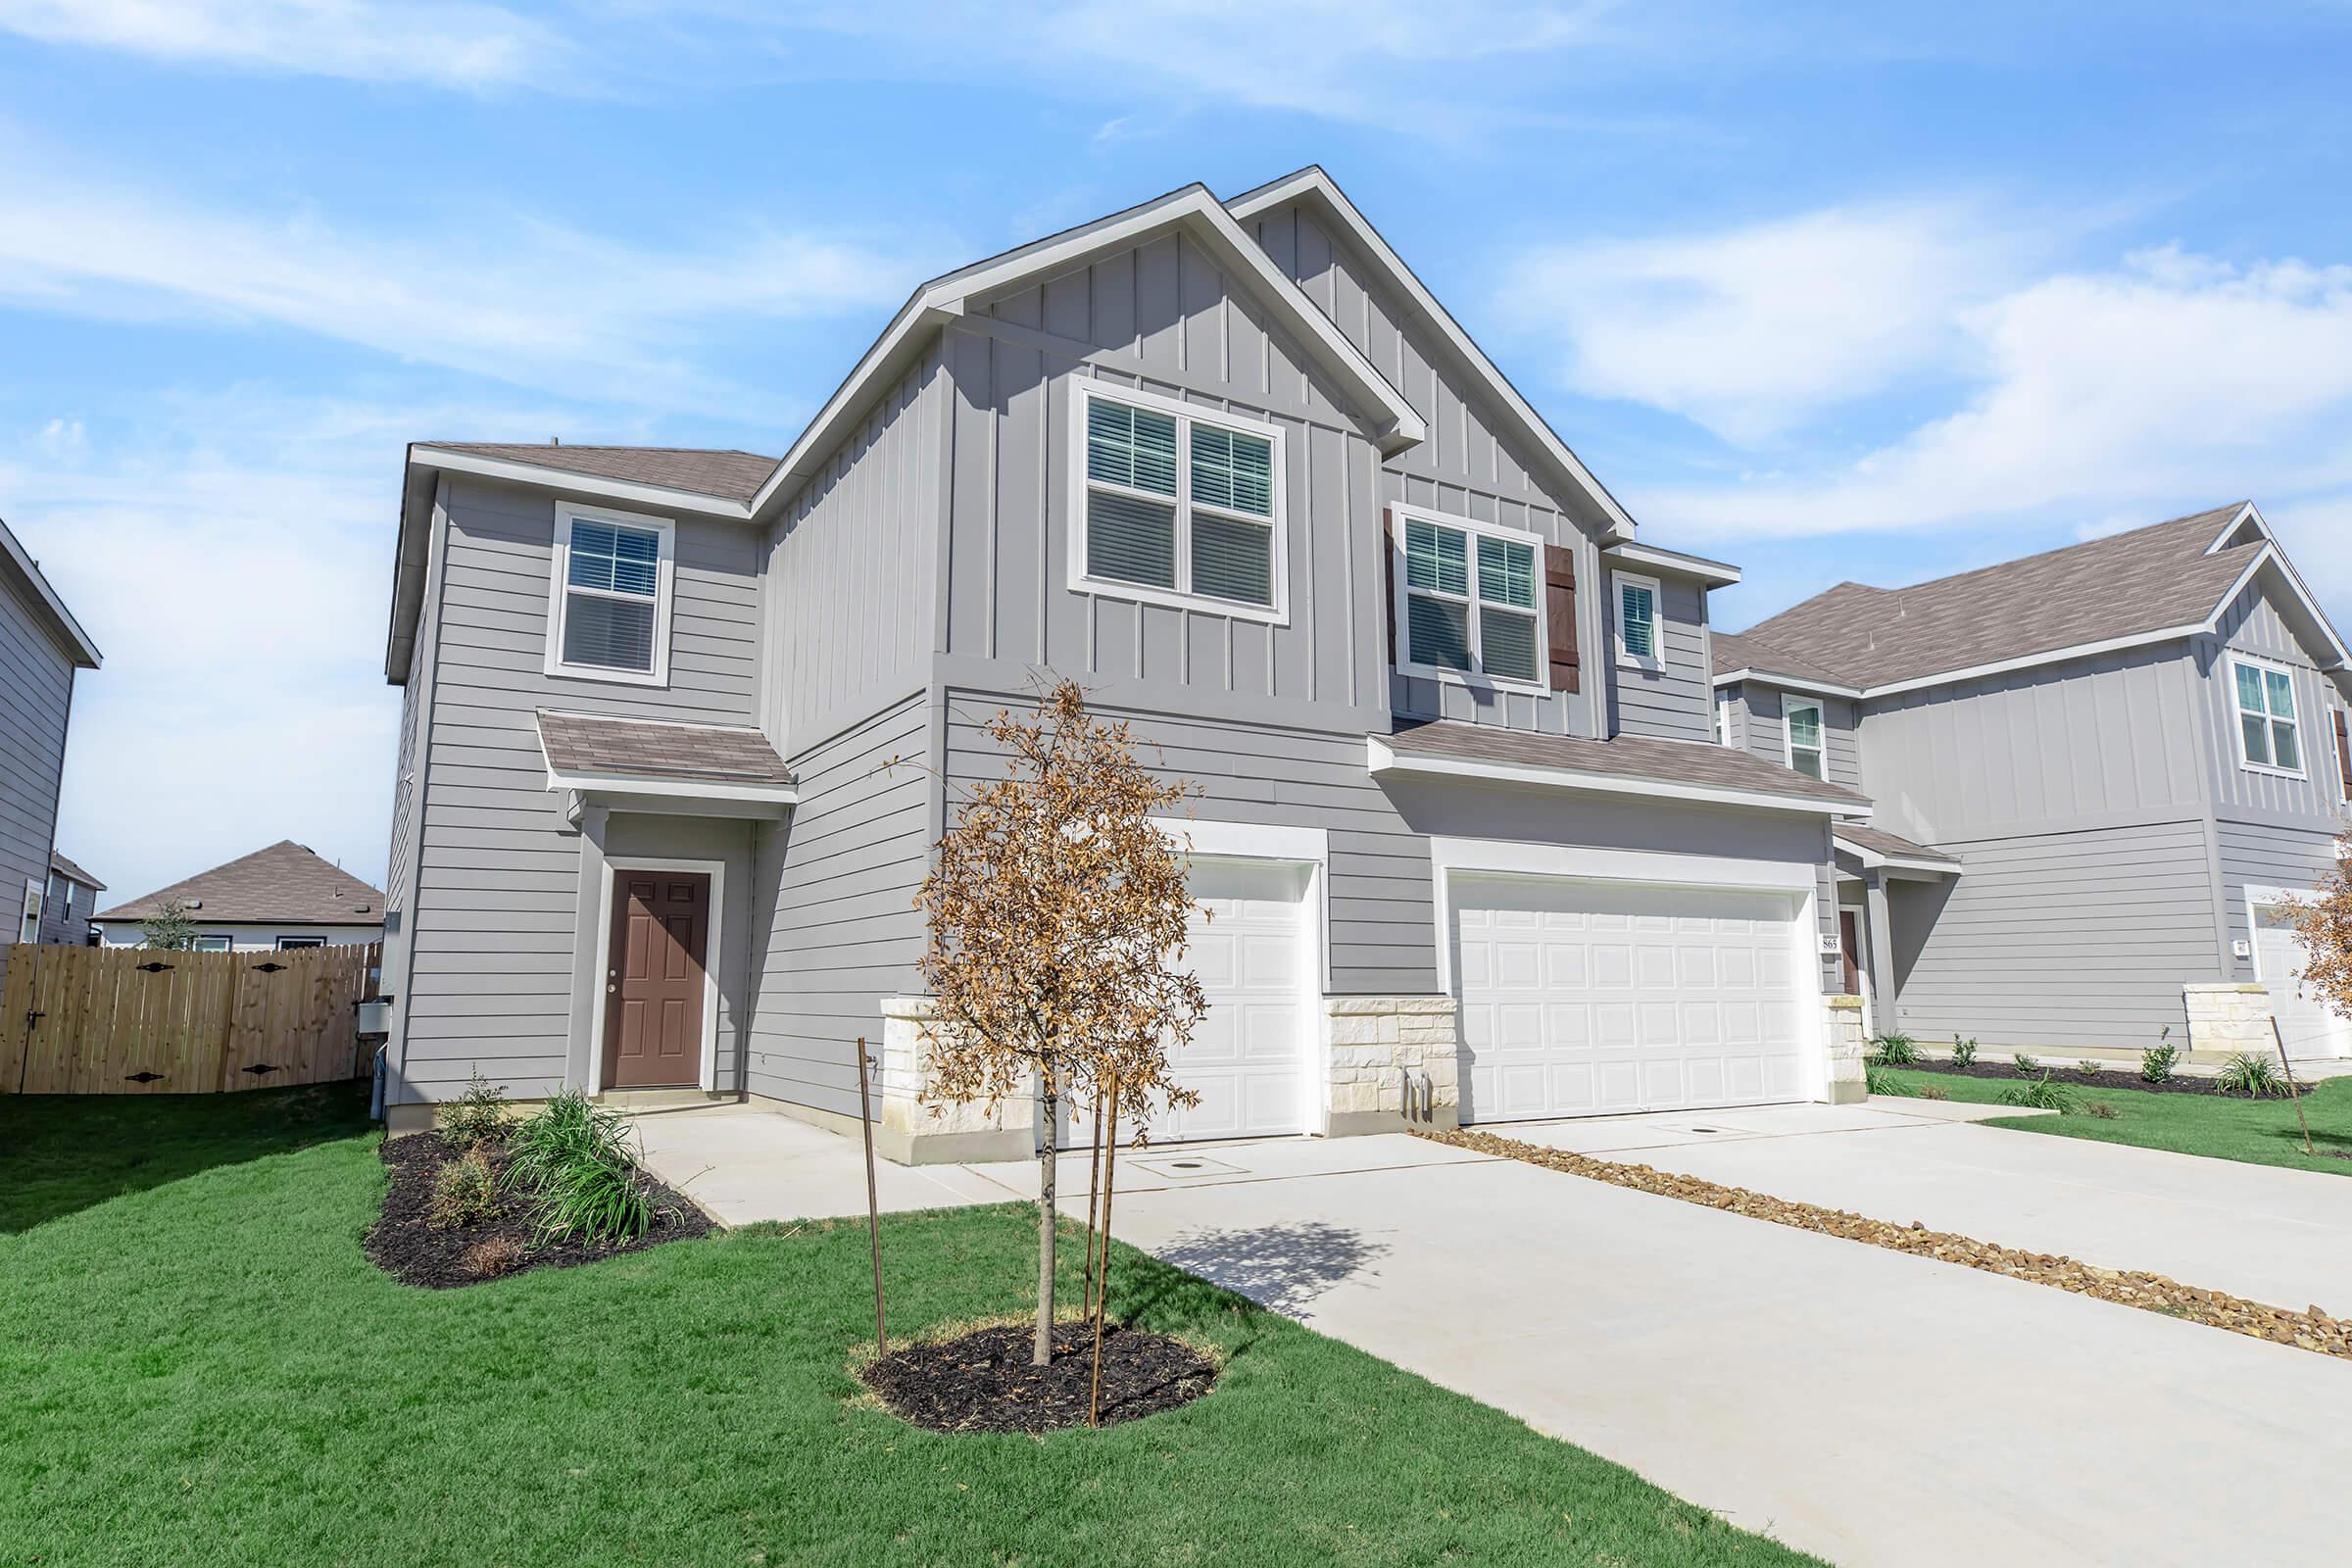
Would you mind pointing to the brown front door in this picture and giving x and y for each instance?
(654, 981)
(1849, 953)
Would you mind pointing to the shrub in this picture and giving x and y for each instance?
(488, 1259)
(2156, 1064)
(1964, 1052)
(465, 1191)
(1879, 1081)
(2090, 1069)
(2026, 1065)
(2101, 1110)
(573, 1159)
(2250, 1075)
(1934, 1091)
(1897, 1050)
(477, 1116)
(2043, 1095)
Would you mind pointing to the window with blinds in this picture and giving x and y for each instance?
(1180, 503)
(1637, 622)
(2266, 734)
(1470, 600)
(612, 612)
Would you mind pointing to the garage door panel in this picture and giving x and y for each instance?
(1625, 997)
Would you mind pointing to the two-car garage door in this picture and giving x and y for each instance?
(1580, 997)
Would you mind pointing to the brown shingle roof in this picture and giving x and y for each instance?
(710, 754)
(1747, 651)
(58, 862)
(725, 473)
(1890, 845)
(2149, 579)
(1628, 756)
(284, 884)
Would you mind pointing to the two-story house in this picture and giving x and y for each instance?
(41, 647)
(2103, 773)
(71, 904)
(681, 727)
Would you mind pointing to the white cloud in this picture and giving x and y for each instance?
(63, 440)
(446, 44)
(1757, 330)
(528, 302)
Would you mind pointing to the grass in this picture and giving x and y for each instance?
(197, 1364)
(2259, 1131)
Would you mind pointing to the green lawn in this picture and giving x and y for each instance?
(197, 1365)
(2260, 1132)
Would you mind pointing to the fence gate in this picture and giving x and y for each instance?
(135, 1020)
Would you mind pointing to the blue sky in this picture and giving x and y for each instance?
(1832, 292)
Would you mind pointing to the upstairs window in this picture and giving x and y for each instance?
(1471, 606)
(1804, 738)
(1723, 721)
(609, 618)
(28, 928)
(1177, 505)
(1637, 622)
(2267, 742)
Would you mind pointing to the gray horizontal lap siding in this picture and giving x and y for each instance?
(1471, 465)
(1761, 726)
(1677, 700)
(67, 921)
(497, 871)
(2266, 855)
(839, 882)
(36, 689)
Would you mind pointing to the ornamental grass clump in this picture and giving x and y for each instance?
(573, 1162)
(1897, 1050)
(2252, 1076)
(2043, 1095)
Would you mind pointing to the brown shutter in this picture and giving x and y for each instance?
(1559, 613)
(1388, 577)
(2343, 753)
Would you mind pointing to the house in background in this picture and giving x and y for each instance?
(2100, 773)
(71, 904)
(680, 727)
(277, 897)
(41, 647)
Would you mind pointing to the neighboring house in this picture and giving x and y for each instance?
(2101, 772)
(41, 646)
(277, 897)
(71, 904)
(680, 727)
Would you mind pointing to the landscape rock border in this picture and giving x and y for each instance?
(2308, 1330)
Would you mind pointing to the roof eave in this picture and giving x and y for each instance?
(1382, 757)
(1680, 562)
(1793, 683)
(67, 631)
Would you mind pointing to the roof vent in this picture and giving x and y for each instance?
(192, 904)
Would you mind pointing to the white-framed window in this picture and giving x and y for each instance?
(214, 943)
(289, 944)
(28, 929)
(2269, 740)
(1806, 753)
(1638, 631)
(1469, 600)
(1176, 505)
(610, 590)
(1722, 719)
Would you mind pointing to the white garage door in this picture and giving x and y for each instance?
(1248, 1058)
(2306, 1023)
(1584, 997)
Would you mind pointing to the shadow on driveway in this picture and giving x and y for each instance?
(1285, 1267)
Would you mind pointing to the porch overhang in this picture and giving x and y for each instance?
(1700, 773)
(1873, 850)
(641, 765)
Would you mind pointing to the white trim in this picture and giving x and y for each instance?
(85, 651)
(713, 955)
(1084, 390)
(1723, 719)
(559, 593)
(1714, 574)
(1399, 513)
(2271, 554)
(2237, 520)
(1871, 861)
(2237, 718)
(1313, 181)
(1788, 683)
(29, 917)
(558, 478)
(2259, 896)
(1619, 582)
(1382, 757)
(676, 788)
(1821, 727)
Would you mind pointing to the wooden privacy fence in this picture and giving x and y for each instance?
(135, 1020)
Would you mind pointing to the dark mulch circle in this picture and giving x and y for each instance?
(983, 1381)
(2120, 1076)
(405, 1244)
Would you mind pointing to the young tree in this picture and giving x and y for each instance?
(1057, 912)
(170, 927)
(2326, 923)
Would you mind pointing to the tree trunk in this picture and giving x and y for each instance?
(1049, 1126)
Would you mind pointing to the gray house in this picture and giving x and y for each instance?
(41, 646)
(72, 901)
(2100, 773)
(680, 727)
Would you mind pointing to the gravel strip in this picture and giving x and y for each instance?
(2308, 1330)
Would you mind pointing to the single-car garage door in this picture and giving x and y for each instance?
(1580, 997)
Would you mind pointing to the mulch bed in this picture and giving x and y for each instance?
(983, 1381)
(2119, 1076)
(2308, 1330)
(405, 1244)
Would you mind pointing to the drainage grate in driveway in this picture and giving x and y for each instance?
(1193, 1165)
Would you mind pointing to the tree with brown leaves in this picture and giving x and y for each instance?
(2326, 923)
(1059, 912)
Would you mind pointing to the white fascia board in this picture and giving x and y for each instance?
(85, 652)
(634, 493)
(1313, 182)
(1872, 859)
(2270, 555)
(681, 789)
(945, 299)
(1791, 683)
(1382, 757)
(1714, 574)
(2237, 520)
(2055, 656)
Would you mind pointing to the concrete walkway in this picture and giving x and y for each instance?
(2283, 1237)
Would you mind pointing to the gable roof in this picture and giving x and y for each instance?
(1876, 848)
(2170, 580)
(284, 884)
(721, 471)
(74, 873)
(17, 565)
(598, 746)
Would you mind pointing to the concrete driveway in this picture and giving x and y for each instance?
(1869, 1406)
